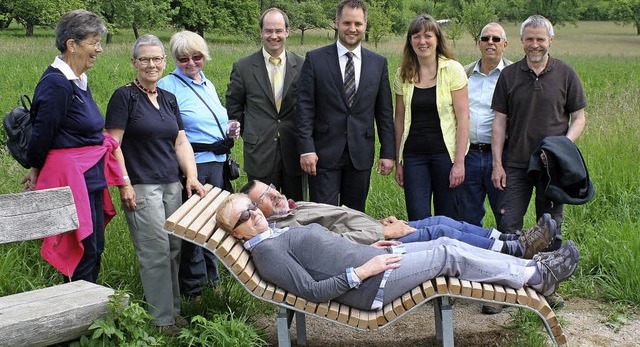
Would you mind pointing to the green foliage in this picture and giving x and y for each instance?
(379, 21)
(453, 31)
(626, 12)
(527, 328)
(475, 15)
(305, 15)
(30, 13)
(222, 330)
(558, 12)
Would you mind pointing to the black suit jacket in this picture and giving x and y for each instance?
(250, 100)
(326, 124)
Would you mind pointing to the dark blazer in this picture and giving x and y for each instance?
(326, 124)
(250, 100)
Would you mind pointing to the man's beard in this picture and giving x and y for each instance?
(277, 210)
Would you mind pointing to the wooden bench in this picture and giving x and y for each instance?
(55, 314)
(195, 222)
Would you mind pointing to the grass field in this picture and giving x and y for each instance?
(605, 56)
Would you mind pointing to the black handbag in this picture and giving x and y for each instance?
(231, 169)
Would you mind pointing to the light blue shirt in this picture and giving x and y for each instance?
(199, 124)
(481, 115)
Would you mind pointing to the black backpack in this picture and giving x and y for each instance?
(18, 124)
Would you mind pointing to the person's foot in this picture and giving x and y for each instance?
(554, 300)
(555, 267)
(491, 308)
(169, 330)
(538, 238)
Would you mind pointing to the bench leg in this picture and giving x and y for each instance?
(301, 329)
(444, 321)
(284, 323)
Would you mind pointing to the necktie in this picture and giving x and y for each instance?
(277, 82)
(349, 79)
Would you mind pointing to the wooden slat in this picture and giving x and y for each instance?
(467, 289)
(557, 330)
(38, 214)
(372, 320)
(259, 290)
(534, 300)
(363, 322)
(172, 222)
(562, 340)
(476, 290)
(246, 274)
(388, 312)
(343, 314)
(268, 292)
(552, 319)
(354, 317)
(211, 202)
(310, 307)
(487, 291)
(544, 308)
(417, 295)
(427, 288)
(441, 285)
(207, 230)
(523, 298)
(407, 301)
(253, 282)
(234, 254)
(241, 263)
(500, 294)
(380, 317)
(226, 246)
(323, 309)
(290, 299)
(300, 303)
(511, 295)
(397, 307)
(184, 223)
(216, 238)
(334, 310)
(454, 285)
(278, 295)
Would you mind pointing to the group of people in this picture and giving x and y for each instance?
(458, 134)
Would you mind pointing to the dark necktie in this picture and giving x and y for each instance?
(349, 79)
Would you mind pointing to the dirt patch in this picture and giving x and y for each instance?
(584, 325)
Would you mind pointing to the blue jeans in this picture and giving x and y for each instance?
(515, 201)
(433, 228)
(198, 265)
(446, 257)
(424, 176)
(477, 184)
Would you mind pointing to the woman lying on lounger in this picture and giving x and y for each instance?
(311, 263)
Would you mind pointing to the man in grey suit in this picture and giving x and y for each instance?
(261, 94)
(344, 88)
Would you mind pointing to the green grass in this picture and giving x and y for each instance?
(606, 229)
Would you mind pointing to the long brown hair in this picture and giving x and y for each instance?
(410, 65)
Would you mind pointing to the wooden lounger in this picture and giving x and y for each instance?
(195, 222)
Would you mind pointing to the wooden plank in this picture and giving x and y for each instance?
(241, 263)
(37, 214)
(562, 340)
(487, 291)
(216, 238)
(476, 290)
(380, 317)
(211, 202)
(407, 301)
(207, 230)
(511, 295)
(354, 317)
(51, 315)
(334, 310)
(441, 285)
(500, 293)
(363, 322)
(300, 303)
(268, 292)
(343, 314)
(259, 290)
(552, 319)
(172, 222)
(397, 307)
(253, 282)
(310, 307)
(279, 295)
(454, 285)
(557, 330)
(534, 300)
(186, 221)
(523, 298)
(290, 299)
(234, 254)
(466, 289)
(246, 274)
(427, 288)
(372, 320)
(544, 307)
(417, 295)
(322, 309)
(388, 312)
(226, 246)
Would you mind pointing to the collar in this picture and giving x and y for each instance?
(269, 233)
(499, 67)
(81, 81)
(282, 56)
(342, 50)
(178, 72)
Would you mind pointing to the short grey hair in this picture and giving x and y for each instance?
(78, 25)
(503, 34)
(537, 21)
(146, 40)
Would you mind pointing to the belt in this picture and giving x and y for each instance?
(482, 147)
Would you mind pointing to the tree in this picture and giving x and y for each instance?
(305, 15)
(475, 15)
(626, 11)
(453, 31)
(379, 22)
(193, 15)
(30, 13)
(558, 12)
(134, 14)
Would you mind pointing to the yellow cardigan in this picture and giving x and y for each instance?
(451, 77)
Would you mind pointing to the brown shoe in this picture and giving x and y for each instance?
(169, 330)
(491, 308)
(538, 238)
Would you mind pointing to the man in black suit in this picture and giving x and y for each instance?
(262, 96)
(343, 89)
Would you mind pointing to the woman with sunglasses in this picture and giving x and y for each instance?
(146, 121)
(431, 121)
(205, 123)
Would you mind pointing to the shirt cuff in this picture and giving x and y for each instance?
(352, 277)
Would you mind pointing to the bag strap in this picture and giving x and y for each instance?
(224, 135)
(133, 101)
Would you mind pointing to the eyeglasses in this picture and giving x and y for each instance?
(196, 59)
(246, 214)
(495, 39)
(265, 195)
(96, 45)
(144, 61)
(271, 31)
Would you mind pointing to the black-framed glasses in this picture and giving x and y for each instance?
(196, 58)
(144, 61)
(495, 39)
(265, 195)
(246, 214)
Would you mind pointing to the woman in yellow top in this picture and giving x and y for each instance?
(431, 121)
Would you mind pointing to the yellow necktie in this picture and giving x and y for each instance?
(277, 82)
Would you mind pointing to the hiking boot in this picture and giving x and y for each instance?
(539, 237)
(555, 267)
(169, 330)
(555, 301)
(491, 308)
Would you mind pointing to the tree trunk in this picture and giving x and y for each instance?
(109, 37)
(29, 29)
(302, 37)
(135, 31)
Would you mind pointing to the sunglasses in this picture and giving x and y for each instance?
(246, 214)
(196, 59)
(265, 195)
(495, 39)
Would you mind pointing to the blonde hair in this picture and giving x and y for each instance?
(225, 213)
(185, 43)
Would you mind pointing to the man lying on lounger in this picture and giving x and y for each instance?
(310, 263)
(361, 228)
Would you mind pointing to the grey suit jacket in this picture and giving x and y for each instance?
(326, 124)
(250, 100)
